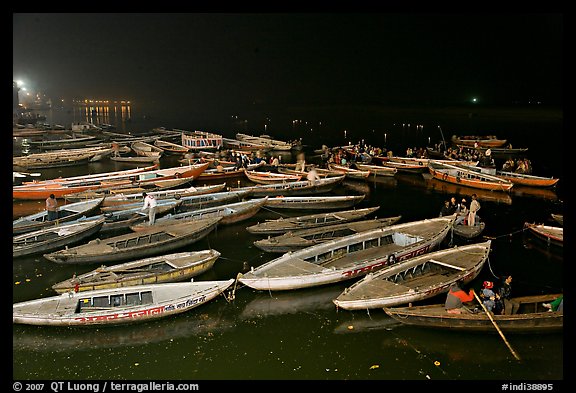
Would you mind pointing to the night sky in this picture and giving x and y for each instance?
(236, 59)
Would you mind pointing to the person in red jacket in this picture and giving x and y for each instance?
(456, 298)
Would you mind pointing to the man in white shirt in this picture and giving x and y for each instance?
(150, 204)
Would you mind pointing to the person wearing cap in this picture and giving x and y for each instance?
(456, 298)
(488, 295)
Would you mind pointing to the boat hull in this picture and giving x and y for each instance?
(69, 309)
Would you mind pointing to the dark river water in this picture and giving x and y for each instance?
(300, 335)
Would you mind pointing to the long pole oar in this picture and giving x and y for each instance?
(497, 327)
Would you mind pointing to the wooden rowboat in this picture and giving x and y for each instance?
(123, 219)
(170, 148)
(296, 240)
(118, 305)
(467, 177)
(523, 179)
(415, 279)
(377, 170)
(349, 257)
(270, 177)
(551, 235)
(152, 241)
(481, 141)
(146, 149)
(559, 218)
(136, 160)
(66, 213)
(122, 198)
(295, 188)
(290, 224)
(470, 231)
(54, 237)
(350, 173)
(228, 214)
(532, 317)
(315, 202)
(179, 266)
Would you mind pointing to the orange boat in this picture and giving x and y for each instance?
(61, 187)
(523, 179)
(467, 177)
(270, 177)
(480, 141)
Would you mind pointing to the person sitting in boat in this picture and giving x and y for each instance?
(488, 296)
(487, 160)
(456, 298)
(462, 212)
(556, 305)
(312, 176)
(521, 167)
(509, 165)
(446, 210)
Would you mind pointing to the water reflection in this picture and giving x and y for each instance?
(427, 182)
(311, 300)
(103, 112)
(58, 339)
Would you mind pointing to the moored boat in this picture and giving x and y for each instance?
(549, 234)
(270, 177)
(349, 257)
(532, 317)
(559, 218)
(470, 231)
(296, 240)
(118, 305)
(415, 279)
(69, 212)
(152, 241)
(228, 214)
(170, 148)
(54, 237)
(350, 173)
(295, 188)
(315, 202)
(125, 198)
(476, 140)
(523, 179)
(179, 266)
(467, 177)
(146, 149)
(377, 170)
(289, 224)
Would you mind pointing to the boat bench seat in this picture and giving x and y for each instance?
(359, 257)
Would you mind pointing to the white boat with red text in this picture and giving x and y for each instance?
(350, 256)
(117, 305)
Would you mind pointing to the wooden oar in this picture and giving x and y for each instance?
(497, 327)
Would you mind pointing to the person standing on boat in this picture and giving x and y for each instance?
(150, 203)
(456, 298)
(52, 207)
(474, 207)
(505, 291)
